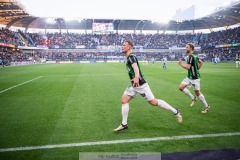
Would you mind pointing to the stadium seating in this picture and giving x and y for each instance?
(9, 37)
(207, 42)
(71, 40)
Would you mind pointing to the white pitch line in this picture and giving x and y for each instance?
(19, 84)
(90, 75)
(119, 141)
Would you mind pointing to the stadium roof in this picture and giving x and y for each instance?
(12, 13)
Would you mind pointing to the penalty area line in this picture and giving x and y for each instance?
(20, 84)
(120, 141)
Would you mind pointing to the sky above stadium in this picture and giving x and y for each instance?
(157, 10)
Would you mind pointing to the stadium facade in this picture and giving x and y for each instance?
(103, 38)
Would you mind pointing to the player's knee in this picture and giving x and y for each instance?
(197, 93)
(181, 88)
(124, 100)
(153, 102)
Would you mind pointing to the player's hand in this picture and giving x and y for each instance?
(180, 62)
(135, 82)
(199, 61)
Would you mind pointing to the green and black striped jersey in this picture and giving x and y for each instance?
(237, 58)
(193, 72)
(130, 60)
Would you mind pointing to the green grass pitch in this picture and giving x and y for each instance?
(74, 103)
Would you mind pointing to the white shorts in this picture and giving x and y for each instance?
(144, 90)
(237, 62)
(195, 83)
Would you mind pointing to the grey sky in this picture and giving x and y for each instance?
(119, 9)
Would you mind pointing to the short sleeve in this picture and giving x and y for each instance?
(132, 59)
(190, 59)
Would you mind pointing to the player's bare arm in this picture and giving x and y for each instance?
(135, 80)
(185, 66)
(200, 62)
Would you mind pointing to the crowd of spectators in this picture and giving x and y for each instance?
(224, 54)
(207, 42)
(8, 55)
(86, 56)
(213, 39)
(71, 40)
(9, 37)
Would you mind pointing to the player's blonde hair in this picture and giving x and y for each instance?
(129, 42)
(191, 45)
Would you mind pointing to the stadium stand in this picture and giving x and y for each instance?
(9, 37)
(149, 41)
(92, 41)
(207, 42)
(16, 45)
(229, 36)
(222, 44)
